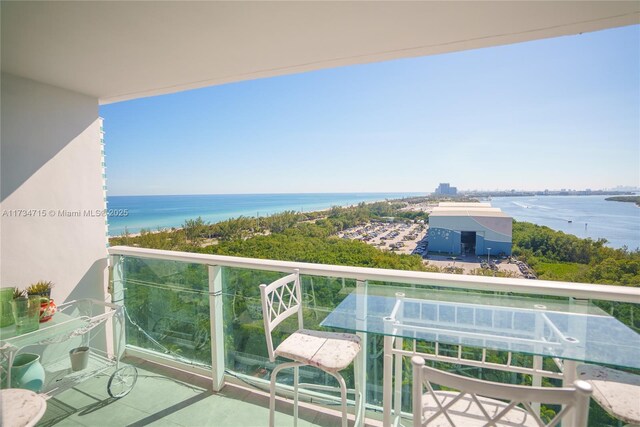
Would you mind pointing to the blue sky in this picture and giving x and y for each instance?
(554, 113)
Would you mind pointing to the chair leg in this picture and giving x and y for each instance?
(343, 395)
(272, 398)
(272, 390)
(296, 380)
(360, 380)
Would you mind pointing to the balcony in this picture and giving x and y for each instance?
(194, 329)
(199, 314)
(171, 397)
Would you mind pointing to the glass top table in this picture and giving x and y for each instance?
(571, 330)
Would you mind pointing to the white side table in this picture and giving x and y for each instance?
(617, 392)
(20, 407)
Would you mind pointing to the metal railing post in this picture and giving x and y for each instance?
(569, 376)
(217, 330)
(397, 383)
(361, 361)
(116, 339)
(116, 279)
(387, 375)
(536, 379)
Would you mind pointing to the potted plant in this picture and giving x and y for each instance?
(19, 293)
(42, 289)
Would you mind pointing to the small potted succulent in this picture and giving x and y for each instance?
(47, 306)
(19, 293)
(42, 288)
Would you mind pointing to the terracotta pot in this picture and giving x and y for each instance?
(47, 309)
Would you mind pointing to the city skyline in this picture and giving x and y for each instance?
(619, 188)
(548, 114)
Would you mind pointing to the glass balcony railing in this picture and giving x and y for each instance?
(204, 312)
(167, 308)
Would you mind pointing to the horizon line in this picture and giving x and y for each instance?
(256, 194)
(426, 193)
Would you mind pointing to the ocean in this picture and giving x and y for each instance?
(582, 216)
(153, 212)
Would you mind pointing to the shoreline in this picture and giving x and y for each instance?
(177, 228)
(577, 229)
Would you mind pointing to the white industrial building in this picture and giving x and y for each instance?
(469, 228)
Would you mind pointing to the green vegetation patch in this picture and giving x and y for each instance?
(555, 255)
(628, 199)
(564, 271)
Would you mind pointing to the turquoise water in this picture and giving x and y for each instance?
(153, 212)
(590, 216)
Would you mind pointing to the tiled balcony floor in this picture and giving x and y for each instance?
(162, 398)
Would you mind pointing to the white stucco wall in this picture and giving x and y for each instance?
(50, 163)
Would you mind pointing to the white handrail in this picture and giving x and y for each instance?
(496, 284)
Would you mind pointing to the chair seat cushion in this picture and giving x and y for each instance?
(466, 412)
(330, 351)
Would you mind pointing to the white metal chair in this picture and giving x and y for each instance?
(328, 351)
(617, 392)
(484, 403)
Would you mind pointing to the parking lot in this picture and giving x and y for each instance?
(402, 238)
(469, 263)
(411, 238)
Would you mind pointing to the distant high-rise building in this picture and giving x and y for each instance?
(446, 190)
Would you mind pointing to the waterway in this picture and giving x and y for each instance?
(583, 216)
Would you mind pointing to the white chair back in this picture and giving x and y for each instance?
(280, 300)
(575, 400)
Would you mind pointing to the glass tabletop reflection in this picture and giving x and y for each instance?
(566, 329)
